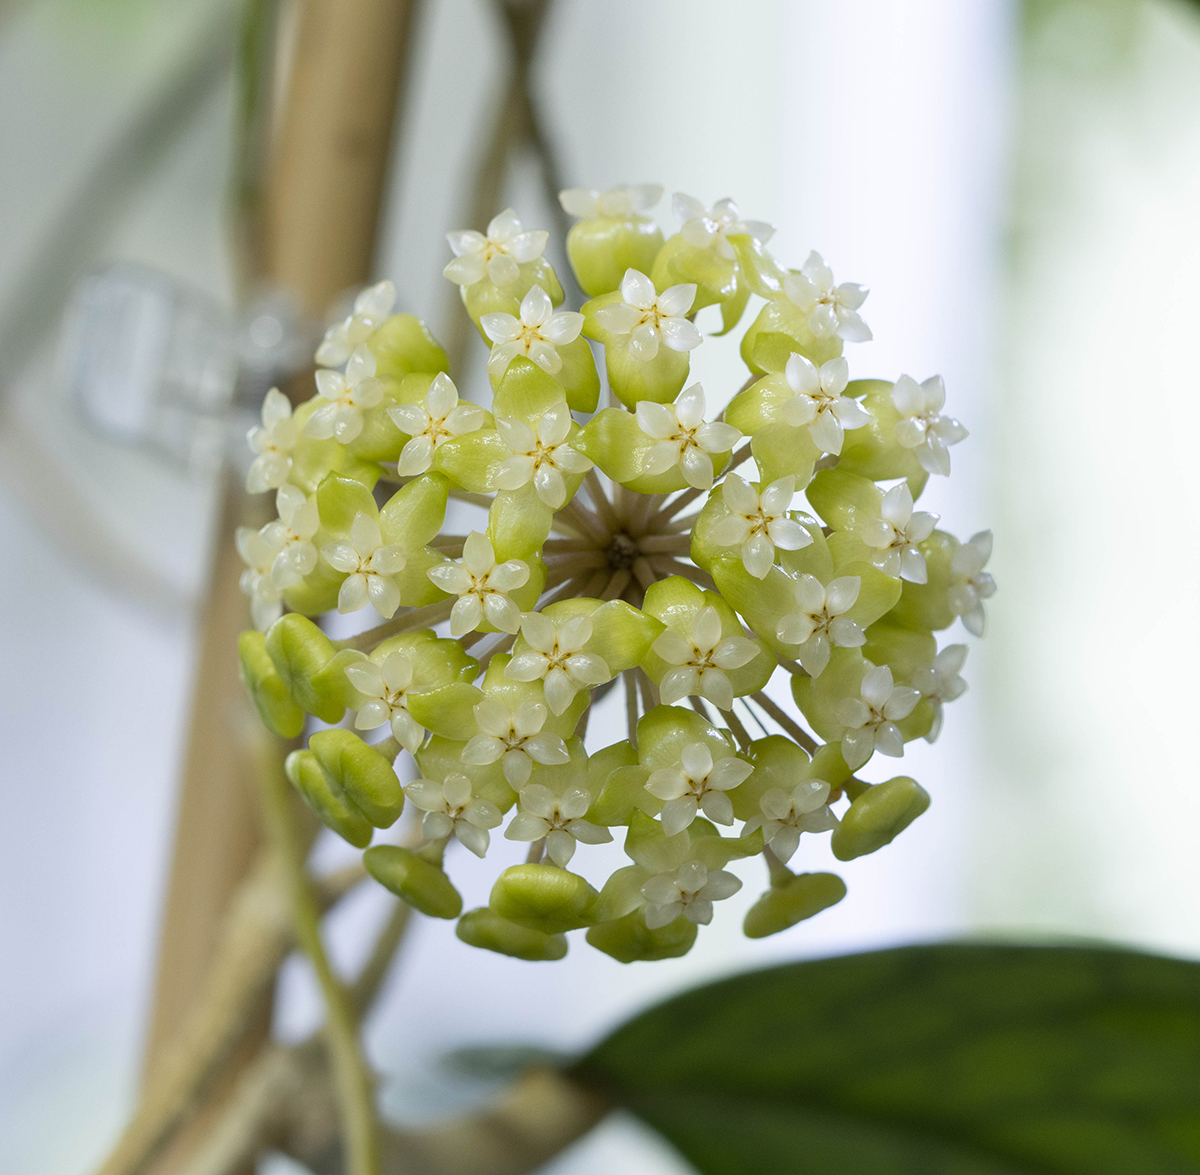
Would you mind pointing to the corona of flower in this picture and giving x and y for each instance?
(743, 573)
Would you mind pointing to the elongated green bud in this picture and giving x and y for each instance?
(485, 929)
(300, 650)
(630, 940)
(543, 897)
(363, 774)
(783, 906)
(878, 816)
(326, 801)
(275, 706)
(422, 885)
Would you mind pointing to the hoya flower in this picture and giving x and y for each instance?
(369, 565)
(939, 682)
(818, 401)
(921, 426)
(896, 533)
(516, 740)
(786, 814)
(831, 309)
(696, 783)
(386, 686)
(371, 307)
(272, 443)
(703, 227)
(540, 456)
(482, 587)
(347, 394)
(819, 621)
(688, 891)
(557, 819)
(266, 597)
(648, 317)
(700, 659)
(684, 439)
(871, 718)
(757, 523)
(496, 254)
(537, 334)
(970, 585)
(556, 658)
(430, 424)
(623, 200)
(291, 536)
(453, 809)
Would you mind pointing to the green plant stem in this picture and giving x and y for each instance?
(786, 721)
(425, 617)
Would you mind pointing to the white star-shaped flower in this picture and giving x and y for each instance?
(430, 424)
(818, 401)
(291, 536)
(896, 533)
(695, 784)
(369, 565)
(556, 658)
(684, 439)
(700, 660)
(921, 426)
(347, 394)
(453, 809)
(386, 686)
(703, 227)
(786, 814)
(272, 442)
(537, 334)
(496, 255)
(516, 740)
(540, 456)
(558, 819)
(689, 891)
(648, 318)
(266, 599)
(819, 621)
(371, 307)
(939, 682)
(870, 719)
(482, 587)
(623, 200)
(758, 522)
(831, 309)
(970, 585)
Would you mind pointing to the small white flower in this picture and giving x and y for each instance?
(785, 815)
(266, 599)
(647, 317)
(291, 536)
(624, 200)
(758, 522)
(939, 682)
(921, 426)
(819, 621)
(540, 456)
(516, 740)
(386, 686)
(818, 401)
(369, 566)
(970, 585)
(689, 891)
(831, 309)
(556, 658)
(453, 809)
(870, 720)
(684, 439)
(482, 587)
(695, 784)
(371, 307)
(896, 533)
(704, 227)
(700, 660)
(537, 334)
(559, 819)
(273, 442)
(430, 424)
(496, 255)
(347, 394)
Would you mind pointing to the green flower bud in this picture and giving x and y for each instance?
(403, 345)
(300, 650)
(485, 929)
(715, 277)
(326, 801)
(844, 500)
(660, 379)
(622, 793)
(485, 297)
(313, 459)
(925, 607)
(363, 774)
(614, 442)
(471, 461)
(872, 449)
(780, 330)
(785, 450)
(799, 898)
(441, 757)
(340, 500)
(602, 248)
(544, 898)
(448, 710)
(275, 705)
(901, 648)
(877, 816)
(423, 886)
(629, 940)
(578, 375)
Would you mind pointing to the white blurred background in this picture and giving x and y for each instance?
(1017, 185)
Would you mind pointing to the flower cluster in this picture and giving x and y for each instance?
(622, 522)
